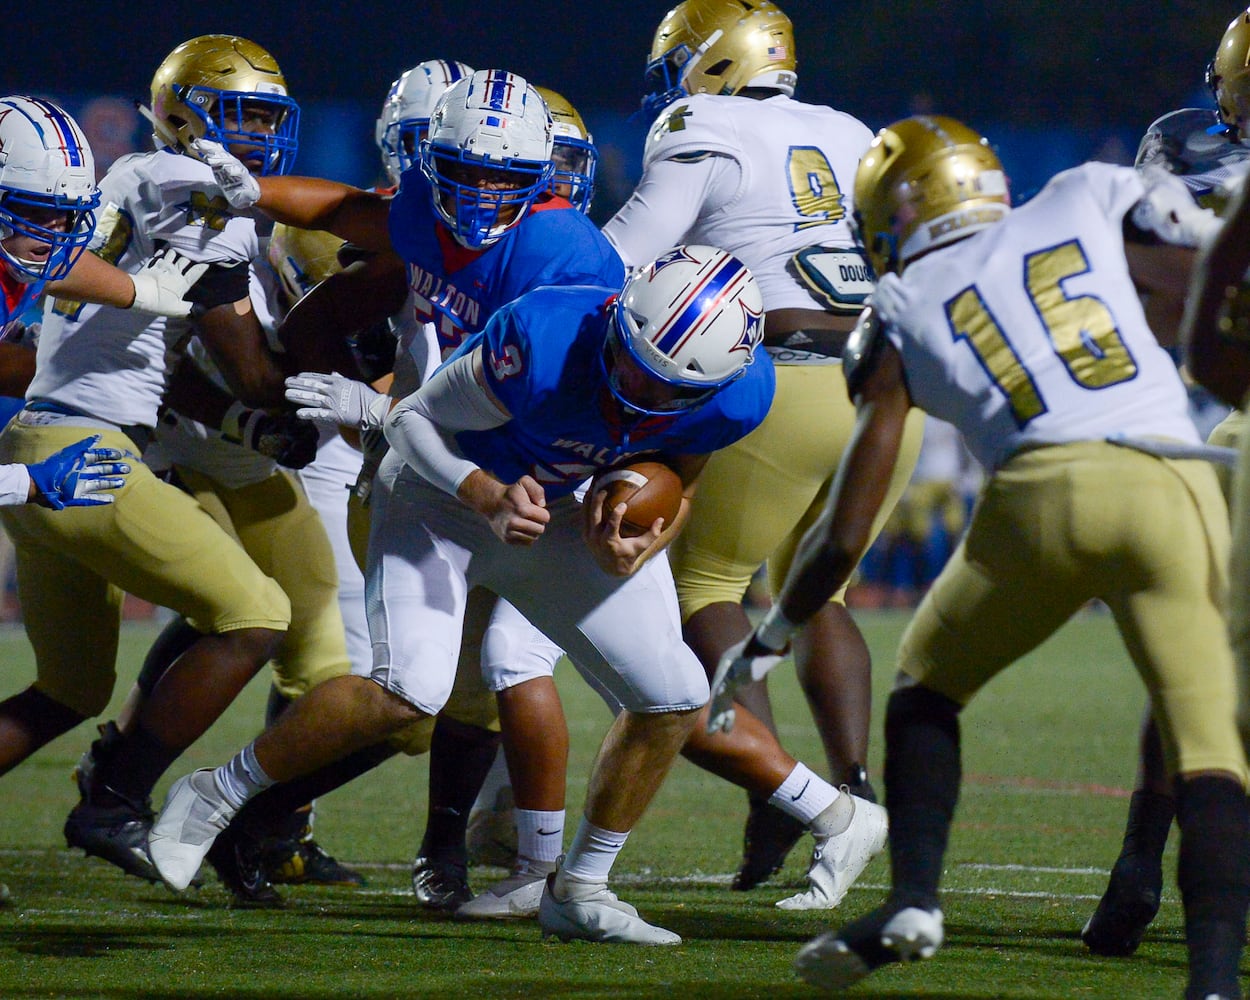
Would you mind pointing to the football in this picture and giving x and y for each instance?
(648, 490)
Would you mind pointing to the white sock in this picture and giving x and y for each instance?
(497, 778)
(591, 855)
(241, 777)
(804, 794)
(539, 834)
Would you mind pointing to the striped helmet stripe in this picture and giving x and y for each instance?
(686, 316)
(499, 86)
(70, 141)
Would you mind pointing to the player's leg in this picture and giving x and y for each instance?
(1169, 608)
(156, 543)
(416, 590)
(966, 629)
(518, 663)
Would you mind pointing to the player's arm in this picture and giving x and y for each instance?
(422, 429)
(1215, 338)
(664, 206)
(235, 340)
(160, 287)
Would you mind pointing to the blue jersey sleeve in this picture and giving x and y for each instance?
(409, 212)
(508, 359)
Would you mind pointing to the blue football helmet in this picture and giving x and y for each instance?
(488, 155)
(47, 187)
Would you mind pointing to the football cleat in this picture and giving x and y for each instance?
(305, 862)
(237, 860)
(517, 896)
(894, 932)
(440, 885)
(591, 912)
(839, 860)
(195, 812)
(116, 833)
(767, 839)
(1125, 910)
(491, 838)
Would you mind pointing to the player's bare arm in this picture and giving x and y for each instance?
(1217, 350)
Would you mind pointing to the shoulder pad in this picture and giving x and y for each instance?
(690, 126)
(863, 351)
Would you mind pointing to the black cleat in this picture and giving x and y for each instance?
(236, 859)
(118, 834)
(1125, 910)
(440, 885)
(305, 862)
(768, 838)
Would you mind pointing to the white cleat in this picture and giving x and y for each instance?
(593, 913)
(838, 959)
(516, 897)
(839, 860)
(193, 815)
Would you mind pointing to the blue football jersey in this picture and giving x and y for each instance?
(541, 357)
(459, 289)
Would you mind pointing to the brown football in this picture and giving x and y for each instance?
(648, 490)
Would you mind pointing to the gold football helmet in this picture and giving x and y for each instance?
(215, 86)
(303, 258)
(1228, 74)
(719, 47)
(573, 152)
(925, 182)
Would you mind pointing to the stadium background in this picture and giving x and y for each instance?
(1051, 83)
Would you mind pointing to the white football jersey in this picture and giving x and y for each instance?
(1031, 332)
(113, 363)
(796, 166)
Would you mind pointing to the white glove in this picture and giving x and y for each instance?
(163, 281)
(1168, 210)
(334, 399)
(234, 179)
(736, 669)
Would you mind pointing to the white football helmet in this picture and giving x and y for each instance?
(488, 155)
(47, 180)
(691, 319)
(405, 117)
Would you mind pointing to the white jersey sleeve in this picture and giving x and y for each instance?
(110, 363)
(1031, 331)
(788, 189)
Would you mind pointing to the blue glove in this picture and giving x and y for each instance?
(79, 475)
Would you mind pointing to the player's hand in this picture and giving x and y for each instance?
(1169, 211)
(742, 663)
(616, 554)
(518, 513)
(163, 282)
(79, 475)
(230, 173)
(334, 399)
(284, 437)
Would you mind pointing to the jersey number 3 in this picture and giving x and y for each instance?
(1081, 330)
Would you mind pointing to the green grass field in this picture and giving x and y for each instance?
(1048, 757)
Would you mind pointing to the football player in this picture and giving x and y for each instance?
(1023, 327)
(467, 250)
(733, 160)
(560, 383)
(573, 152)
(107, 369)
(1207, 150)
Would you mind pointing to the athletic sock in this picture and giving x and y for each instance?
(540, 834)
(590, 856)
(803, 794)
